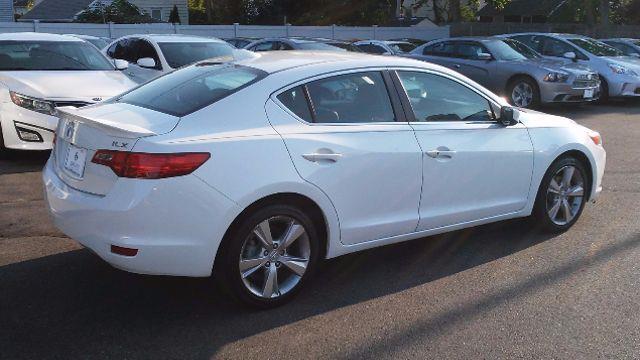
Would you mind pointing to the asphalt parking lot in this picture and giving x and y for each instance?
(497, 291)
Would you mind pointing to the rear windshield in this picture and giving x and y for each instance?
(184, 91)
(180, 54)
(51, 56)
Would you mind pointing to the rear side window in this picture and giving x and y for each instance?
(296, 101)
(182, 92)
(444, 48)
(352, 98)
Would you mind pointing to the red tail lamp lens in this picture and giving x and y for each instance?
(150, 165)
(123, 250)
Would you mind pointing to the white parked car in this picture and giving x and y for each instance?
(385, 47)
(259, 168)
(150, 56)
(39, 72)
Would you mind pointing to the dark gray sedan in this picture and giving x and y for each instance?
(509, 67)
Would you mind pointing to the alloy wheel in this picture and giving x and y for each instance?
(565, 195)
(522, 95)
(274, 257)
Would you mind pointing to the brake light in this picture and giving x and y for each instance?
(150, 165)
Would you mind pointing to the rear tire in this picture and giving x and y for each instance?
(562, 194)
(257, 267)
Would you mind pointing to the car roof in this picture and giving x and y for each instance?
(82, 36)
(32, 36)
(175, 38)
(276, 61)
(619, 39)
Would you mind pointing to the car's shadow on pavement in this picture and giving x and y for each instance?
(16, 161)
(75, 304)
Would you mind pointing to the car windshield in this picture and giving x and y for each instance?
(179, 54)
(512, 50)
(51, 55)
(597, 48)
(318, 46)
(99, 43)
(184, 91)
(402, 47)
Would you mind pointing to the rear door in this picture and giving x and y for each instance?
(347, 135)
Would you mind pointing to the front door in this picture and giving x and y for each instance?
(343, 134)
(473, 167)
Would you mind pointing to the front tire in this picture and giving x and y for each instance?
(524, 92)
(562, 195)
(268, 256)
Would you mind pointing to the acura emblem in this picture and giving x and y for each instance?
(69, 130)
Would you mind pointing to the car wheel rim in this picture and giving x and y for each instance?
(274, 257)
(565, 195)
(522, 95)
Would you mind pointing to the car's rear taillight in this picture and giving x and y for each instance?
(150, 165)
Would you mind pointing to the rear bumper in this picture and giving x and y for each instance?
(13, 118)
(175, 224)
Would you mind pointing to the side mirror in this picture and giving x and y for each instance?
(120, 64)
(569, 55)
(146, 62)
(507, 116)
(485, 56)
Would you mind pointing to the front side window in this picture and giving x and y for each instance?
(444, 48)
(436, 98)
(182, 92)
(554, 47)
(145, 50)
(470, 50)
(263, 46)
(51, 55)
(179, 54)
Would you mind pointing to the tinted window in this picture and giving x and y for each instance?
(263, 46)
(372, 49)
(296, 101)
(144, 49)
(469, 50)
(444, 48)
(553, 47)
(182, 92)
(179, 54)
(51, 55)
(122, 50)
(531, 41)
(352, 98)
(318, 46)
(597, 48)
(401, 47)
(436, 98)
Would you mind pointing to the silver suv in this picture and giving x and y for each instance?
(509, 67)
(619, 74)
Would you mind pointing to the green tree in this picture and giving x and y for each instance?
(119, 11)
(174, 16)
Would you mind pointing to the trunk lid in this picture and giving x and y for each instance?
(112, 126)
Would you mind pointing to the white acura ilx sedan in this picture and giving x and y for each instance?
(39, 72)
(257, 169)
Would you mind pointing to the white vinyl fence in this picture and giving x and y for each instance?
(226, 31)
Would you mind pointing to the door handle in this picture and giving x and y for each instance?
(442, 154)
(322, 157)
